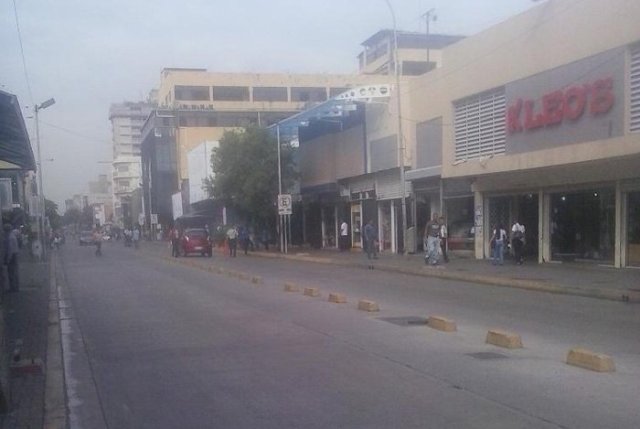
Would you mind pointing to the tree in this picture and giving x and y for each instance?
(245, 167)
(73, 216)
(51, 212)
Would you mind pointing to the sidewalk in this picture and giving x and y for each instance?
(576, 279)
(25, 333)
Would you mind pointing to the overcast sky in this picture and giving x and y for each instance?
(88, 54)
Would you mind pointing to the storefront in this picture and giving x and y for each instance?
(583, 225)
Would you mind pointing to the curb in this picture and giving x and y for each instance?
(531, 285)
(55, 406)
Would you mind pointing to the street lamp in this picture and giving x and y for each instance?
(43, 105)
(399, 137)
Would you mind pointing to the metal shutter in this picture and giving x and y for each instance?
(479, 125)
(634, 91)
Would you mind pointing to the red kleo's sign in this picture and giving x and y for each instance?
(570, 104)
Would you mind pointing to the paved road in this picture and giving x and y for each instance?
(150, 344)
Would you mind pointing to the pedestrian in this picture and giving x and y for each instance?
(243, 237)
(264, 238)
(443, 239)
(370, 241)
(344, 236)
(175, 242)
(499, 239)
(232, 239)
(97, 241)
(518, 241)
(135, 236)
(432, 241)
(11, 251)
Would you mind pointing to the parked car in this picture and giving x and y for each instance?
(86, 238)
(196, 240)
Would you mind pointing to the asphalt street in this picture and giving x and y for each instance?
(154, 344)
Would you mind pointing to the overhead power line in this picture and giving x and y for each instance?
(24, 62)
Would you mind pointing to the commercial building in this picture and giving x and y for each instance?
(537, 119)
(197, 106)
(127, 120)
(352, 151)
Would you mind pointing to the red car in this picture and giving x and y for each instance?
(196, 240)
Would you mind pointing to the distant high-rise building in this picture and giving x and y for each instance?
(126, 122)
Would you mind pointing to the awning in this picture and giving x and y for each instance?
(337, 110)
(15, 147)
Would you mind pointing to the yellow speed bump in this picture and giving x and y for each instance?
(256, 280)
(504, 339)
(291, 287)
(311, 291)
(590, 360)
(337, 298)
(442, 324)
(366, 305)
(244, 276)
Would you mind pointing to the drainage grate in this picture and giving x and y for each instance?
(487, 355)
(405, 321)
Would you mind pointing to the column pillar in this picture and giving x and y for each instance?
(620, 236)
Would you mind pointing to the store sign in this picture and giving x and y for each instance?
(594, 98)
(578, 102)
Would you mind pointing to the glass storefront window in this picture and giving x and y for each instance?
(583, 225)
(633, 229)
(460, 223)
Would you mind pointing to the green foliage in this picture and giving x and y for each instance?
(246, 173)
(72, 216)
(51, 211)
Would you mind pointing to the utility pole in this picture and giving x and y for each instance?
(428, 17)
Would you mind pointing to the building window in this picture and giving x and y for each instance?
(192, 93)
(308, 94)
(122, 168)
(634, 91)
(230, 93)
(270, 93)
(480, 126)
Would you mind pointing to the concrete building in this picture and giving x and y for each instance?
(197, 106)
(100, 198)
(418, 53)
(351, 163)
(127, 120)
(537, 119)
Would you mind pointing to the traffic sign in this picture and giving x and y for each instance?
(284, 204)
(154, 218)
(141, 219)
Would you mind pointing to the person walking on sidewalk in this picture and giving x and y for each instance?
(232, 239)
(135, 236)
(11, 251)
(498, 239)
(371, 241)
(175, 242)
(431, 240)
(344, 235)
(97, 240)
(443, 239)
(517, 241)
